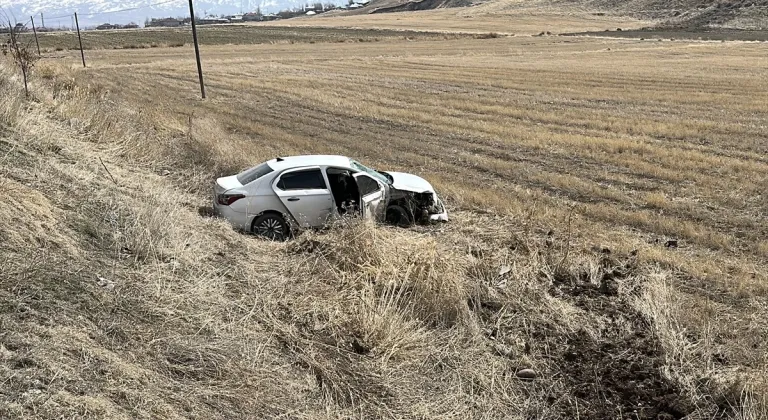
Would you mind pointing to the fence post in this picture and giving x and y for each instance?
(82, 54)
(35, 32)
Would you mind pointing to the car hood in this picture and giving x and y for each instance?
(409, 182)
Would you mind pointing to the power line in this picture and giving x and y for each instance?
(58, 17)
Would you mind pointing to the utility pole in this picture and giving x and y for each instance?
(34, 30)
(77, 25)
(197, 49)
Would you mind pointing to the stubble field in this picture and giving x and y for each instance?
(570, 166)
(653, 139)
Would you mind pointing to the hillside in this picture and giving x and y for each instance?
(751, 14)
(746, 14)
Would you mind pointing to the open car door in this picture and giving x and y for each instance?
(373, 200)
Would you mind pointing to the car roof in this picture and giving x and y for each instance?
(288, 162)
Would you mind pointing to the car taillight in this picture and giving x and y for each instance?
(228, 199)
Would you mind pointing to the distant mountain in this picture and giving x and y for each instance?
(94, 12)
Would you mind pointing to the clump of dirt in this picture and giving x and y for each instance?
(618, 374)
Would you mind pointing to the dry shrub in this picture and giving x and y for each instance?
(754, 405)
(202, 147)
(11, 102)
(36, 227)
(762, 248)
(689, 360)
(427, 281)
(146, 229)
(488, 35)
(194, 358)
(656, 200)
(46, 71)
(384, 329)
(341, 376)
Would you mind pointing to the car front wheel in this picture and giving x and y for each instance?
(271, 226)
(397, 216)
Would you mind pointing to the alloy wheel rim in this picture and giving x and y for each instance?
(271, 228)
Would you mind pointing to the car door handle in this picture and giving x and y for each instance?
(293, 199)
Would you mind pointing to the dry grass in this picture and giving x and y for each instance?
(149, 38)
(120, 300)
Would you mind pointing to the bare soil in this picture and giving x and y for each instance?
(618, 375)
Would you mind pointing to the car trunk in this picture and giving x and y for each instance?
(226, 183)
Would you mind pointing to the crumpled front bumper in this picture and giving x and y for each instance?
(441, 216)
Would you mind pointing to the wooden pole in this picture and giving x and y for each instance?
(34, 30)
(197, 49)
(77, 25)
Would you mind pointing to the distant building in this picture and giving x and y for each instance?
(252, 17)
(235, 18)
(270, 16)
(165, 23)
(105, 26)
(130, 26)
(18, 28)
(212, 21)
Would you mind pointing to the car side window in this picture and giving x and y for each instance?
(311, 179)
(367, 185)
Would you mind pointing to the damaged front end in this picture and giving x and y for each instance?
(408, 207)
(412, 199)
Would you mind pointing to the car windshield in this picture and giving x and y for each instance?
(376, 174)
(250, 175)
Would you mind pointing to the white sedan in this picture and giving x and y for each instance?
(289, 193)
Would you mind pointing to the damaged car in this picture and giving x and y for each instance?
(291, 193)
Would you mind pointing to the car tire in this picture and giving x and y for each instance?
(398, 216)
(271, 226)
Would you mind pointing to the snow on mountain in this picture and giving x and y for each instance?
(94, 12)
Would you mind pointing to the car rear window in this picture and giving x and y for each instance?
(250, 175)
(311, 179)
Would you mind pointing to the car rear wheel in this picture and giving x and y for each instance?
(271, 226)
